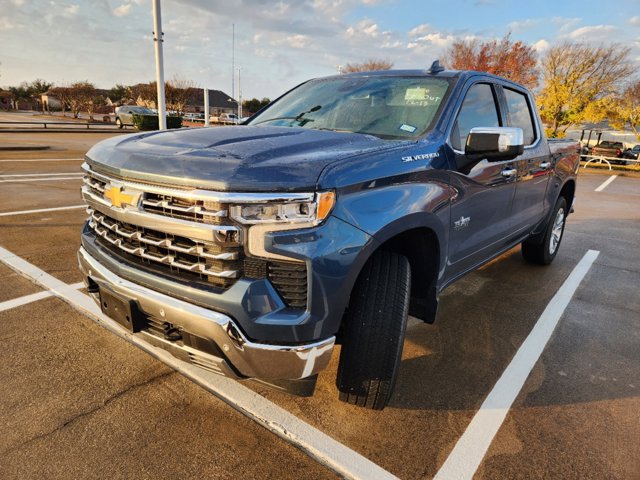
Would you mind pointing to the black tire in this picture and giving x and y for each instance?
(119, 122)
(374, 329)
(543, 253)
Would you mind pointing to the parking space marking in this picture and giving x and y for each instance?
(606, 183)
(318, 445)
(20, 160)
(34, 297)
(51, 179)
(464, 459)
(40, 174)
(38, 210)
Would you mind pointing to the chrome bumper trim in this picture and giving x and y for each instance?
(250, 359)
(205, 195)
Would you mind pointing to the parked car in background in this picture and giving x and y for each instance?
(632, 153)
(225, 118)
(608, 149)
(194, 117)
(124, 114)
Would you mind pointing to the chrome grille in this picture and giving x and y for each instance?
(209, 261)
(186, 209)
(184, 231)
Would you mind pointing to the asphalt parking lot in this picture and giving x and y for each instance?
(78, 401)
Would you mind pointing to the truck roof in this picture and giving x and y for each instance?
(459, 74)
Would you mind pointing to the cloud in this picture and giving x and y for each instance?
(541, 46)
(592, 32)
(122, 10)
(71, 10)
(566, 23)
(366, 28)
(422, 29)
(521, 25)
(635, 21)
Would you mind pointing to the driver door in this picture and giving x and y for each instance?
(483, 191)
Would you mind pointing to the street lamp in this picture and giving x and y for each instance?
(157, 38)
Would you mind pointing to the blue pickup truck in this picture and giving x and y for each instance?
(344, 206)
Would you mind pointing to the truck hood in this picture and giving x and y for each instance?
(239, 158)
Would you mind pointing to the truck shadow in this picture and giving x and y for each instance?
(482, 321)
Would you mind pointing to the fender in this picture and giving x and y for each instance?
(389, 211)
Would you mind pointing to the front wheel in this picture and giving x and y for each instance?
(119, 122)
(543, 253)
(375, 325)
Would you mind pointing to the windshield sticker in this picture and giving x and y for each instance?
(421, 96)
(407, 128)
(416, 94)
(423, 156)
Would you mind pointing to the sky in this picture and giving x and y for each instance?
(278, 44)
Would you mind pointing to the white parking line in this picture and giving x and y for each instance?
(471, 448)
(18, 302)
(50, 179)
(38, 210)
(606, 183)
(40, 174)
(316, 444)
(20, 160)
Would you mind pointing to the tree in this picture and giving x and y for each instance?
(82, 96)
(37, 88)
(178, 91)
(513, 60)
(252, 106)
(580, 82)
(118, 94)
(21, 92)
(144, 94)
(625, 109)
(62, 94)
(368, 65)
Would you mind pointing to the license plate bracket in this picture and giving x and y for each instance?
(122, 310)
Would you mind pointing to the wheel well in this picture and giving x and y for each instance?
(421, 247)
(568, 192)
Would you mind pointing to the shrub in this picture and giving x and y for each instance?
(150, 122)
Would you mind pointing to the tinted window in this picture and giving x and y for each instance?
(478, 110)
(520, 114)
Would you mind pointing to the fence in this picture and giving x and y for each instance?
(66, 124)
(600, 159)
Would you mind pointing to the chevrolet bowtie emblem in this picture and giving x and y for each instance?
(117, 197)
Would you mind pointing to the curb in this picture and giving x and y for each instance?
(19, 148)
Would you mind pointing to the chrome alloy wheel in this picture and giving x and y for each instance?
(556, 232)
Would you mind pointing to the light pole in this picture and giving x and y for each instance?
(206, 107)
(157, 38)
(239, 96)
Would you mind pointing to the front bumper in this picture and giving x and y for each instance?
(231, 353)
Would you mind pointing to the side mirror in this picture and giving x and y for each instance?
(494, 143)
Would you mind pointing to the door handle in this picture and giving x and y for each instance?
(509, 172)
(545, 165)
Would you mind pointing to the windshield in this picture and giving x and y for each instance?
(143, 111)
(385, 106)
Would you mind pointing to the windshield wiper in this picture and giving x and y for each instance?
(298, 118)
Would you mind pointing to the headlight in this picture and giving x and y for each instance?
(308, 213)
(278, 216)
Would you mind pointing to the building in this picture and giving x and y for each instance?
(219, 102)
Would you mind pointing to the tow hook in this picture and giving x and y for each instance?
(235, 335)
(170, 332)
